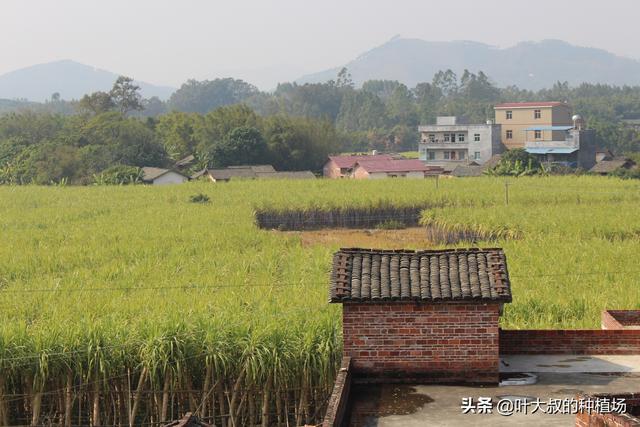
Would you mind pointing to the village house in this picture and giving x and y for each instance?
(548, 131)
(405, 168)
(552, 119)
(342, 166)
(609, 165)
(452, 142)
(159, 176)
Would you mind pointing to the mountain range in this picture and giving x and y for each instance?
(528, 65)
(70, 79)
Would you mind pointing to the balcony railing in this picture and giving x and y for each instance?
(568, 143)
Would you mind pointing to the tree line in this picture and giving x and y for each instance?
(228, 122)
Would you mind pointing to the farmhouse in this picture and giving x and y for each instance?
(605, 167)
(342, 166)
(159, 176)
(406, 168)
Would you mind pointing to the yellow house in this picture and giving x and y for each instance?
(523, 122)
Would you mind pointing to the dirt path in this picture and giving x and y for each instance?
(408, 238)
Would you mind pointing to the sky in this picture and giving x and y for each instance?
(266, 41)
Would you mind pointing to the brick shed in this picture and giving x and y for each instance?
(428, 316)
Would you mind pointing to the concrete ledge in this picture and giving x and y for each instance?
(337, 406)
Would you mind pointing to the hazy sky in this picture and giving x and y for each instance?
(167, 42)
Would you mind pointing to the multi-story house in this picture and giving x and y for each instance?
(451, 140)
(573, 146)
(530, 121)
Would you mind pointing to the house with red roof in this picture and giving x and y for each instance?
(393, 168)
(342, 166)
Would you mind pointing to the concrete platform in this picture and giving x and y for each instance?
(559, 377)
(569, 363)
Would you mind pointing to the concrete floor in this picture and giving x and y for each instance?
(559, 377)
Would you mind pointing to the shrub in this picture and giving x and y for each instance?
(199, 198)
(119, 175)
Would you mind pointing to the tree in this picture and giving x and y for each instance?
(202, 97)
(344, 79)
(177, 132)
(126, 95)
(242, 146)
(96, 103)
(446, 81)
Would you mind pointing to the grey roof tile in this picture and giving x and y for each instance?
(429, 276)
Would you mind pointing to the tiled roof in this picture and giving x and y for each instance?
(608, 166)
(370, 275)
(350, 161)
(528, 104)
(391, 165)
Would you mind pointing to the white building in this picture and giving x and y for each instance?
(451, 140)
(159, 176)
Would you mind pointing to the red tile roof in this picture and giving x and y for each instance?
(390, 165)
(350, 161)
(528, 104)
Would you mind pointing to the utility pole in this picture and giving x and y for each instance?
(506, 192)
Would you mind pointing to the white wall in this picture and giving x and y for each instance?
(170, 178)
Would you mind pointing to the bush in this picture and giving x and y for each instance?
(627, 173)
(119, 175)
(199, 198)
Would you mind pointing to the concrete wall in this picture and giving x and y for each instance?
(170, 178)
(587, 143)
(427, 342)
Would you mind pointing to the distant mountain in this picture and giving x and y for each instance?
(70, 79)
(528, 65)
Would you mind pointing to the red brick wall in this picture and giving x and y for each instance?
(429, 342)
(627, 419)
(577, 341)
(621, 319)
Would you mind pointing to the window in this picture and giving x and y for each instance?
(509, 115)
(538, 134)
(476, 155)
(431, 155)
(537, 114)
(432, 138)
(461, 137)
(476, 137)
(509, 134)
(453, 155)
(446, 137)
(446, 155)
(462, 155)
